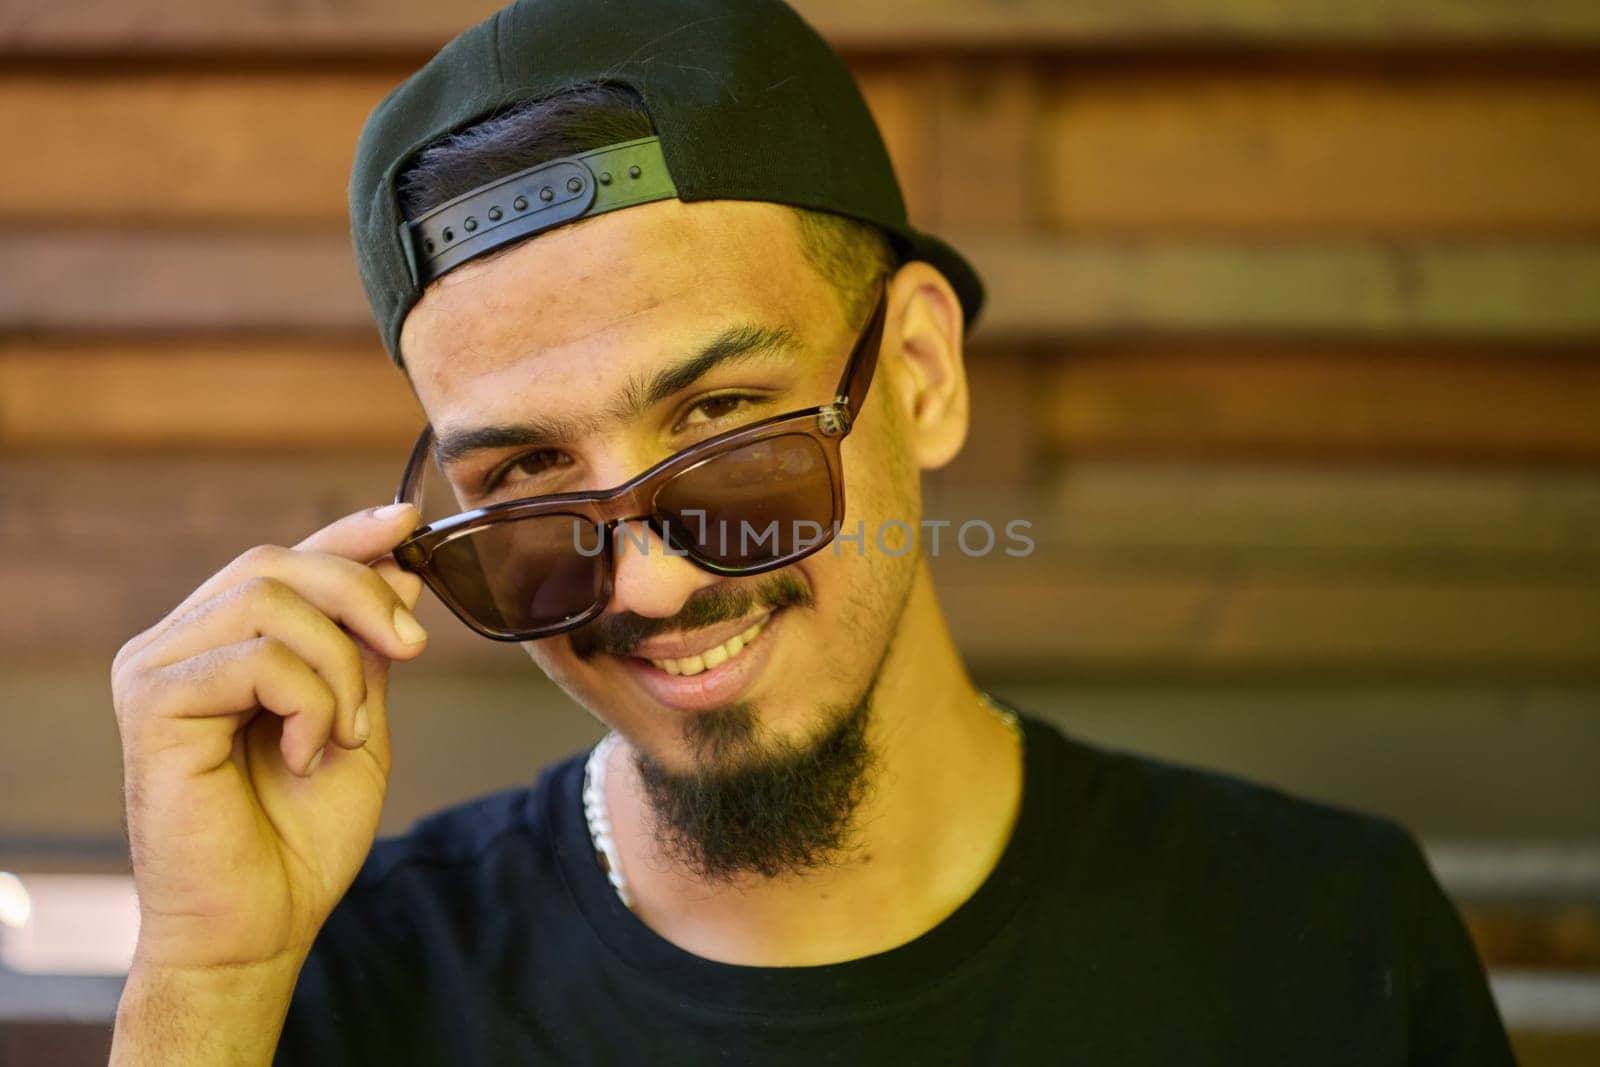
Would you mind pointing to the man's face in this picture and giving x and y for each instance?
(570, 331)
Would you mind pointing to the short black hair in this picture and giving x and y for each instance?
(845, 252)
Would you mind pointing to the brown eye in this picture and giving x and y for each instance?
(527, 465)
(713, 408)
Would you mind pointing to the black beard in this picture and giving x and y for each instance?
(758, 804)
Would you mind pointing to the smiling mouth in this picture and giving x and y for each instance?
(711, 657)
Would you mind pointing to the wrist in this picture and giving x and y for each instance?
(220, 1016)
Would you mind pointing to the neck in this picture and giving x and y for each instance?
(946, 789)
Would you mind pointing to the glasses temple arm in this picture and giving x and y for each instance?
(414, 469)
(858, 369)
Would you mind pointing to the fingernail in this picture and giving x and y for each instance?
(407, 626)
(391, 511)
(316, 761)
(363, 723)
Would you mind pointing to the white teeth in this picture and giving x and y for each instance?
(711, 657)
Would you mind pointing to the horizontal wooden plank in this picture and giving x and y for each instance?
(1556, 937)
(1310, 401)
(1036, 614)
(1168, 567)
(1189, 150)
(176, 281)
(1270, 151)
(124, 507)
(1461, 525)
(1448, 524)
(1563, 1002)
(1039, 23)
(1040, 287)
(1445, 759)
(1044, 286)
(1297, 518)
(1483, 770)
(415, 25)
(1555, 1048)
(1544, 872)
(1042, 615)
(72, 1027)
(1253, 401)
(217, 393)
(258, 148)
(1434, 406)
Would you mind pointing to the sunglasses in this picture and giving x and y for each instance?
(743, 502)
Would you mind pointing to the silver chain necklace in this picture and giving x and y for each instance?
(594, 797)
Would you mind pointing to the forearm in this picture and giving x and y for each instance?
(215, 1017)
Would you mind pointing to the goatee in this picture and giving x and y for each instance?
(760, 804)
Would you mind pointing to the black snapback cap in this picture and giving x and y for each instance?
(747, 100)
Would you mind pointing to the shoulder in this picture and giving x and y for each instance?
(1214, 881)
(1218, 832)
(1233, 872)
(1166, 799)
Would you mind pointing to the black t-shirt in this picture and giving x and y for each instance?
(1142, 913)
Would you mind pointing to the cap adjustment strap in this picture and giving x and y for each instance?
(533, 200)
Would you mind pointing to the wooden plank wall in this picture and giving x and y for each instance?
(1207, 270)
(1291, 356)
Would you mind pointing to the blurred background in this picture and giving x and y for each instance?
(1293, 361)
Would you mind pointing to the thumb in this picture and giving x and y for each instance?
(366, 535)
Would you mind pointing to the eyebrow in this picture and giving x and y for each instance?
(736, 344)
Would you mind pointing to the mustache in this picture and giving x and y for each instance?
(621, 633)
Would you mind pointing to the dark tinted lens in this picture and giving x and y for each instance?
(525, 574)
(767, 501)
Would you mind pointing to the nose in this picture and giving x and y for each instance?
(650, 578)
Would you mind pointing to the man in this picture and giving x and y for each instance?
(648, 270)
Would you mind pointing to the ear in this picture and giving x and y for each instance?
(927, 363)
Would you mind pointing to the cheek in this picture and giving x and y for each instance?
(882, 483)
(554, 657)
(882, 496)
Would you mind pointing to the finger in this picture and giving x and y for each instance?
(406, 585)
(266, 607)
(362, 535)
(376, 667)
(352, 595)
(366, 534)
(232, 681)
